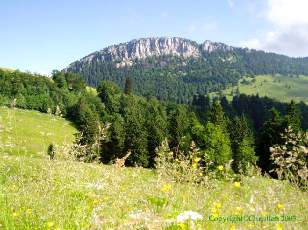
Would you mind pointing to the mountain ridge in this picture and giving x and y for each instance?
(143, 47)
(173, 68)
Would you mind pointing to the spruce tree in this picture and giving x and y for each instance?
(128, 86)
(269, 136)
(293, 117)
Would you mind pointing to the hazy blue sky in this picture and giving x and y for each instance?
(42, 35)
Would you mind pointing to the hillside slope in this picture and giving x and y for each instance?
(177, 68)
(280, 88)
(29, 133)
(73, 195)
(38, 193)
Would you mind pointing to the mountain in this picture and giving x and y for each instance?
(176, 69)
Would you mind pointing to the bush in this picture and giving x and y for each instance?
(291, 158)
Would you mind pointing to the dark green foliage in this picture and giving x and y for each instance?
(178, 126)
(270, 135)
(87, 122)
(293, 117)
(135, 133)
(156, 123)
(242, 143)
(109, 93)
(128, 86)
(217, 116)
(140, 125)
(178, 79)
(51, 151)
(113, 146)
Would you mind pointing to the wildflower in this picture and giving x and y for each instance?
(217, 205)
(237, 184)
(232, 227)
(279, 227)
(50, 224)
(264, 213)
(29, 211)
(188, 215)
(181, 225)
(200, 174)
(280, 206)
(15, 214)
(214, 210)
(238, 210)
(197, 159)
(220, 167)
(166, 188)
(195, 165)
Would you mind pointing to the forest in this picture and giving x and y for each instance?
(178, 79)
(114, 121)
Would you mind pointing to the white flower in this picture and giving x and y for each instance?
(188, 215)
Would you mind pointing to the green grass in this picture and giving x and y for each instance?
(38, 193)
(29, 133)
(35, 193)
(281, 88)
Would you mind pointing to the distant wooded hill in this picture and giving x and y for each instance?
(176, 69)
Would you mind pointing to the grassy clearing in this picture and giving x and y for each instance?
(43, 194)
(37, 193)
(281, 88)
(29, 133)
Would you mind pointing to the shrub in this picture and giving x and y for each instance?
(291, 158)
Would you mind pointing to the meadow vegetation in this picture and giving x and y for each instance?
(283, 88)
(200, 162)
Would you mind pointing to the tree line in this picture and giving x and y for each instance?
(238, 132)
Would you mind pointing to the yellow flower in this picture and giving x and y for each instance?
(200, 174)
(57, 228)
(279, 227)
(220, 167)
(197, 159)
(181, 225)
(232, 227)
(217, 205)
(214, 210)
(50, 224)
(15, 214)
(195, 165)
(166, 188)
(237, 184)
(29, 211)
(280, 206)
(238, 210)
(264, 213)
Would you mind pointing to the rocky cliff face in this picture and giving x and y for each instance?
(142, 48)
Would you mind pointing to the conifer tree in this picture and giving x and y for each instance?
(128, 86)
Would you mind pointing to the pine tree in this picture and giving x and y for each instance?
(293, 117)
(156, 123)
(242, 143)
(217, 115)
(128, 86)
(270, 135)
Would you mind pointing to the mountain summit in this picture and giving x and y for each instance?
(126, 53)
(178, 68)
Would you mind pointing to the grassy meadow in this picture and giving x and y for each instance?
(38, 193)
(29, 133)
(282, 88)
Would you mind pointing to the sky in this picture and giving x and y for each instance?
(43, 35)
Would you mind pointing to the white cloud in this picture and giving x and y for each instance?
(290, 28)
